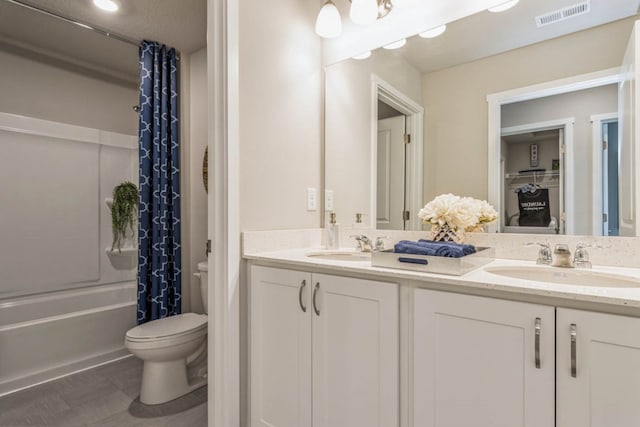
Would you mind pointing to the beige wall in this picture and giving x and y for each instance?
(36, 88)
(348, 126)
(456, 107)
(280, 113)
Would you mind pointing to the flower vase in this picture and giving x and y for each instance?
(445, 233)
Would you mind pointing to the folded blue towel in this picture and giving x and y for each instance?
(467, 249)
(426, 247)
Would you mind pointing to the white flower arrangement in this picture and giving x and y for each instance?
(459, 214)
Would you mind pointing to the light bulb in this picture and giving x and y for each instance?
(108, 5)
(434, 32)
(329, 23)
(504, 6)
(364, 12)
(363, 55)
(395, 45)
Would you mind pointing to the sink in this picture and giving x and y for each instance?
(346, 255)
(566, 276)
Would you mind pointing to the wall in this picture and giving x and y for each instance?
(280, 113)
(581, 106)
(348, 126)
(456, 106)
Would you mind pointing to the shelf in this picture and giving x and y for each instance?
(126, 251)
(534, 175)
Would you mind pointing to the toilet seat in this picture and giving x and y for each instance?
(169, 328)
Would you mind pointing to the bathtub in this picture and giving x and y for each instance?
(46, 336)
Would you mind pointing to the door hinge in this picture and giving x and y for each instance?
(407, 138)
(605, 217)
(406, 215)
(604, 145)
(208, 247)
(563, 216)
(563, 148)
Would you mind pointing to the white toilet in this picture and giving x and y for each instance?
(174, 351)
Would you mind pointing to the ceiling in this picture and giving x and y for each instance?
(485, 34)
(180, 24)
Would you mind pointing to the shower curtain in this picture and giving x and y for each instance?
(159, 267)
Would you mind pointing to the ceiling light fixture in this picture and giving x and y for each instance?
(395, 45)
(107, 5)
(434, 32)
(504, 6)
(364, 55)
(329, 23)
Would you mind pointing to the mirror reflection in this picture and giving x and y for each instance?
(548, 146)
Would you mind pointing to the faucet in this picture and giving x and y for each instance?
(562, 256)
(380, 243)
(364, 243)
(581, 256)
(544, 254)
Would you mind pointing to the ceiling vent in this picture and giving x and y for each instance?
(563, 14)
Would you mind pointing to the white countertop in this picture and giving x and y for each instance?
(477, 279)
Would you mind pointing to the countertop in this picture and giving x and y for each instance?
(479, 279)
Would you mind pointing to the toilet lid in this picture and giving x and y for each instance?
(169, 326)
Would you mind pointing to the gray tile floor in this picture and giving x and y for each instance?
(100, 397)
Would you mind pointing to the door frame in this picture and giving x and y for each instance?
(597, 121)
(497, 100)
(414, 112)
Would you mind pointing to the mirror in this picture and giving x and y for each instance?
(448, 80)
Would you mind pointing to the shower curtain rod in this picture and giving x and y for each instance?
(98, 30)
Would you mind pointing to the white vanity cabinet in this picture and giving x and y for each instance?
(482, 362)
(597, 369)
(323, 350)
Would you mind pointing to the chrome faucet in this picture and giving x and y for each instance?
(581, 256)
(544, 254)
(562, 256)
(380, 243)
(364, 243)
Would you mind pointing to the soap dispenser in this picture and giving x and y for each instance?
(333, 232)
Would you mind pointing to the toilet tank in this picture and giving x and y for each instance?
(203, 268)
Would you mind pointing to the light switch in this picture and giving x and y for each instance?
(312, 199)
(328, 200)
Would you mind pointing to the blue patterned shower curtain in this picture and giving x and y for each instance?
(159, 267)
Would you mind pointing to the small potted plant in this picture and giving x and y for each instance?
(124, 212)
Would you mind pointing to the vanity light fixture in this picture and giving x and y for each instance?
(329, 23)
(434, 32)
(106, 5)
(395, 45)
(363, 55)
(504, 6)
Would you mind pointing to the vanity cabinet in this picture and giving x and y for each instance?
(323, 350)
(482, 362)
(597, 369)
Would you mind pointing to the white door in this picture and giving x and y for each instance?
(479, 362)
(280, 349)
(390, 199)
(629, 154)
(603, 388)
(355, 353)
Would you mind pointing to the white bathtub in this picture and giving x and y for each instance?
(46, 336)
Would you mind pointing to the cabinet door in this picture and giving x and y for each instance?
(474, 362)
(355, 353)
(280, 348)
(604, 390)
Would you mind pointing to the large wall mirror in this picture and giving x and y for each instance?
(404, 125)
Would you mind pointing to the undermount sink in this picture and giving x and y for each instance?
(566, 276)
(338, 255)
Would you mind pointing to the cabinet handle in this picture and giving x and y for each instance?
(315, 292)
(574, 338)
(537, 341)
(302, 286)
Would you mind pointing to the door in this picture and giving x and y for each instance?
(481, 362)
(391, 176)
(610, 178)
(280, 348)
(603, 390)
(628, 128)
(355, 353)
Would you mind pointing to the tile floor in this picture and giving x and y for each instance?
(104, 396)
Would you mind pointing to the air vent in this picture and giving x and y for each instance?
(563, 14)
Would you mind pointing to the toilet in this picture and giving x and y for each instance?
(174, 352)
